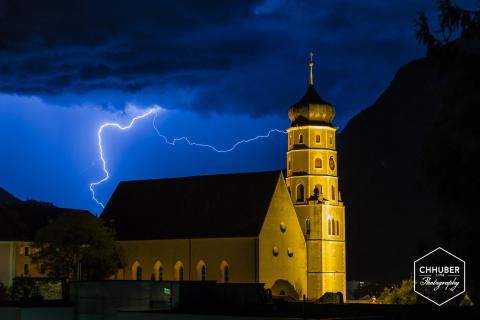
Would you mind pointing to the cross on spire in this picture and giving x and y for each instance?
(311, 68)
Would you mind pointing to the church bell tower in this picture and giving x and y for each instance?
(313, 184)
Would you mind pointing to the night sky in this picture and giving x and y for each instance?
(221, 71)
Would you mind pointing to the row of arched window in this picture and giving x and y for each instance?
(318, 164)
(300, 192)
(317, 139)
(201, 271)
(333, 227)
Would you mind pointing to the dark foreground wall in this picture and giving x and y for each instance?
(106, 298)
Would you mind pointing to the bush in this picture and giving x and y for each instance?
(331, 297)
(402, 295)
(24, 289)
(3, 292)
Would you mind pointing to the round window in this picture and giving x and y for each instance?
(290, 252)
(275, 251)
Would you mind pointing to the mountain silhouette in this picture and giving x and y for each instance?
(7, 197)
(409, 167)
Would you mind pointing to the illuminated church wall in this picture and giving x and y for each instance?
(239, 254)
(282, 254)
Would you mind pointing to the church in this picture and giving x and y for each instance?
(285, 229)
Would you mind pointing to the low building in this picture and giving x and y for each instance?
(19, 222)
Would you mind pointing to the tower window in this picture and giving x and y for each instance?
(307, 226)
(26, 269)
(329, 227)
(333, 227)
(289, 165)
(333, 193)
(26, 251)
(318, 163)
(300, 139)
(300, 193)
(317, 138)
(160, 274)
(338, 229)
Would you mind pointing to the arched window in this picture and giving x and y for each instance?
(329, 227)
(224, 272)
(300, 139)
(138, 275)
(201, 270)
(333, 193)
(318, 163)
(333, 227)
(307, 226)
(317, 138)
(136, 271)
(289, 165)
(178, 271)
(338, 229)
(158, 271)
(331, 140)
(300, 193)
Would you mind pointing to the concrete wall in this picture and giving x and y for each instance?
(37, 313)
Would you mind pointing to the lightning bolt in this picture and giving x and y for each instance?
(202, 145)
(106, 174)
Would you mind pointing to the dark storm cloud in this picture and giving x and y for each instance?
(242, 56)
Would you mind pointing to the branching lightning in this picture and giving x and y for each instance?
(202, 145)
(173, 142)
(100, 149)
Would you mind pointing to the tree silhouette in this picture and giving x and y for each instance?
(453, 20)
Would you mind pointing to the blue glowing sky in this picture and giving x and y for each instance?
(222, 71)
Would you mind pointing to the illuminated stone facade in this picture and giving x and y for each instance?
(313, 185)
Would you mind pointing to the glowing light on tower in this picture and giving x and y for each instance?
(173, 142)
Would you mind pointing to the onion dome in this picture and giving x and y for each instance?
(311, 109)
